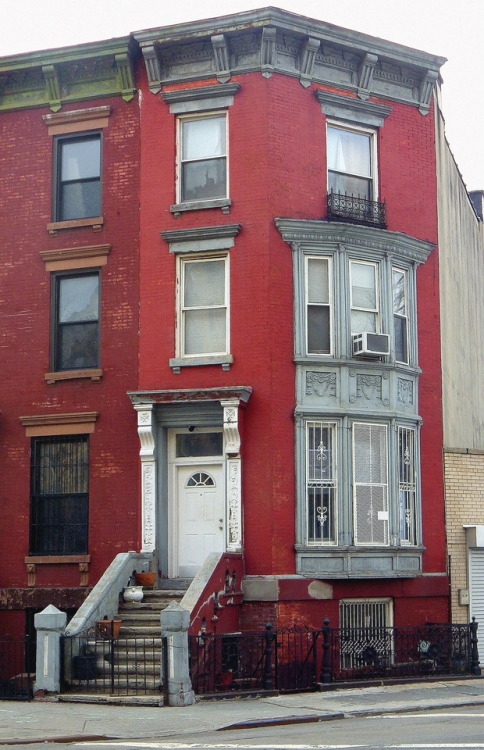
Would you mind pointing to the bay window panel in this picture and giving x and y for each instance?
(318, 330)
(400, 315)
(364, 297)
(318, 306)
(321, 511)
(370, 483)
(407, 485)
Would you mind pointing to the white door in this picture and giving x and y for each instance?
(200, 511)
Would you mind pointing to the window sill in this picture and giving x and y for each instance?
(96, 222)
(95, 375)
(222, 203)
(225, 360)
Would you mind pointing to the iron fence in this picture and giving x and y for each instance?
(353, 208)
(98, 661)
(302, 658)
(16, 671)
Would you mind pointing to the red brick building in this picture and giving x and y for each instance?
(266, 204)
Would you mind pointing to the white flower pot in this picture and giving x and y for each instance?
(133, 593)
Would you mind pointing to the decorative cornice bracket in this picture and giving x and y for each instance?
(307, 59)
(125, 76)
(52, 87)
(221, 57)
(366, 75)
(425, 92)
(268, 51)
(231, 426)
(152, 68)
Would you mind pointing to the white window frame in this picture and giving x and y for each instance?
(182, 262)
(373, 176)
(384, 513)
(179, 167)
(330, 305)
(331, 484)
(376, 310)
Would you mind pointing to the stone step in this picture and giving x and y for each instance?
(139, 615)
(86, 695)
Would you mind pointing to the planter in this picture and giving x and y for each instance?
(133, 593)
(108, 628)
(146, 579)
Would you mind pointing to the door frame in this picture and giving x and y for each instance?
(174, 464)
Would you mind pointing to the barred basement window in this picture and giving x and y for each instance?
(407, 488)
(59, 495)
(321, 483)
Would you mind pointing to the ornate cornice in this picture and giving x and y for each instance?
(271, 40)
(55, 77)
(298, 232)
(188, 395)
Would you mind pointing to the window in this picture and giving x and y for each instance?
(59, 495)
(350, 162)
(407, 486)
(400, 314)
(204, 306)
(76, 321)
(370, 483)
(203, 158)
(77, 193)
(318, 291)
(321, 483)
(364, 297)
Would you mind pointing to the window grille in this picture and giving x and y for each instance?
(59, 503)
(366, 634)
(321, 483)
(407, 489)
(370, 477)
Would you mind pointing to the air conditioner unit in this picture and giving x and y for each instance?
(371, 344)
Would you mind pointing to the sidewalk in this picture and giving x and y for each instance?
(48, 720)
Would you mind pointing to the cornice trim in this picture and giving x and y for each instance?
(349, 108)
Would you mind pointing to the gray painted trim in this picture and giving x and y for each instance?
(201, 99)
(353, 110)
(201, 239)
(331, 234)
(359, 563)
(225, 360)
(223, 203)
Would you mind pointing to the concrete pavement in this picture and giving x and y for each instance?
(49, 720)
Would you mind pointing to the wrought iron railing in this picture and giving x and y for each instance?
(16, 671)
(353, 209)
(301, 658)
(102, 662)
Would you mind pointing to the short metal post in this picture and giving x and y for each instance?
(326, 671)
(269, 636)
(475, 668)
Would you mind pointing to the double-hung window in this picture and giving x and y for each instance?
(59, 495)
(202, 157)
(75, 321)
(400, 314)
(351, 162)
(364, 297)
(204, 300)
(321, 487)
(318, 307)
(77, 183)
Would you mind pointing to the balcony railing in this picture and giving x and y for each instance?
(353, 209)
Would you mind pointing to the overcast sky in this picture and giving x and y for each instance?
(451, 28)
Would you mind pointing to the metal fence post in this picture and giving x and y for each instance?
(326, 671)
(269, 636)
(475, 668)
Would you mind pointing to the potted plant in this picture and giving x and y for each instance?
(146, 578)
(108, 628)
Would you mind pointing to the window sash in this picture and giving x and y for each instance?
(400, 314)
(77, 184)
(76, 316)
(370, 484)
(204, 306)
(203, 158)
(59, 495)
(364, 299)
(407, 485)
(321, 483)
(318, 305)
(351, 161)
